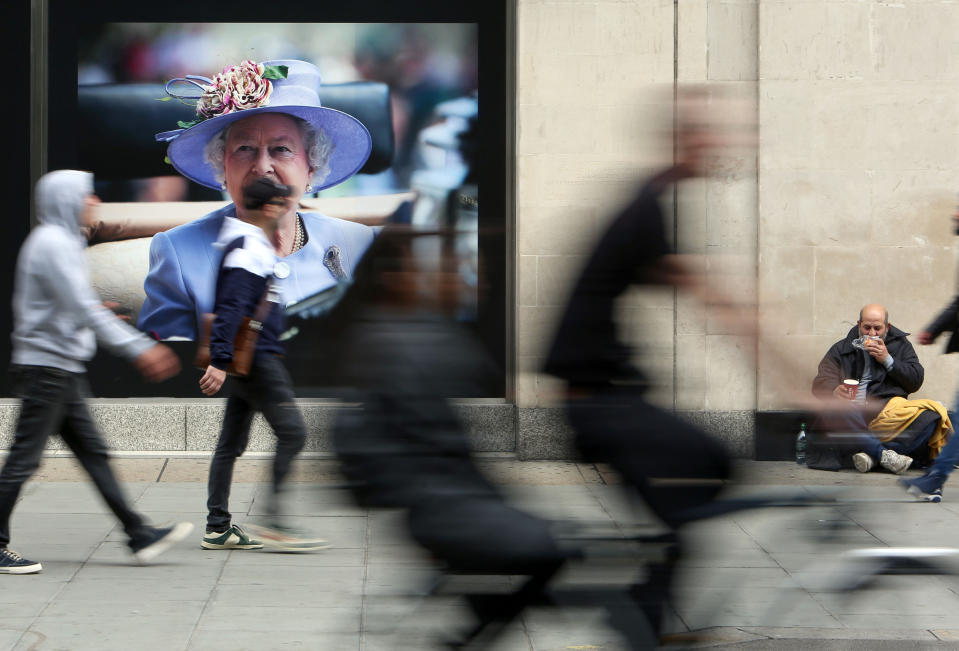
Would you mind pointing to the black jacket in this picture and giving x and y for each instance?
(947, 321)
(587, 348)
(842, 361)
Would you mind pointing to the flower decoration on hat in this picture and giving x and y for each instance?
(236, 88)
(286, 86)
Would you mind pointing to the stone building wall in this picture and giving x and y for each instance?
(847, 200)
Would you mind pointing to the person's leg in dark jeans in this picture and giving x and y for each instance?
(643, 442)
(271, 390)
(233, 440)
(948, 456)
(929, 487)
(278, 403)
(80, 433)
(41, 391)
(646, 444)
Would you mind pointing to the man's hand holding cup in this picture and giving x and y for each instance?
(846, 390)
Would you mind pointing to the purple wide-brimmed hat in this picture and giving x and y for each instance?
(286, 86)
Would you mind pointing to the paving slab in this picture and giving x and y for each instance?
(740, 588)
(11, 630)
(149, 630)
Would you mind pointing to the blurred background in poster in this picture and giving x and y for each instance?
(431, 70)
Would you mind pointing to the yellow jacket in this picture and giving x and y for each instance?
(899, 413)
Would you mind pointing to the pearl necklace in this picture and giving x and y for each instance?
(297, 237)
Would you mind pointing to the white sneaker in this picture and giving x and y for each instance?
(863, 461)
(159, 540)
(894, 462)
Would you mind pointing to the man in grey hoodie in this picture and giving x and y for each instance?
(58, 319)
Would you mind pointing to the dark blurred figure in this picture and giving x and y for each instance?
(58, 320)
(612, 420)
(929, 487)
(404, 447)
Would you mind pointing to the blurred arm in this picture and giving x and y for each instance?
(946, 321)
(687, 272)
(67, 280)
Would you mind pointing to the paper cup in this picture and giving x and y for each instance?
(852, 385)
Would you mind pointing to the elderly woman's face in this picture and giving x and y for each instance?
(269, 144)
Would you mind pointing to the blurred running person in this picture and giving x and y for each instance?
(612, 420)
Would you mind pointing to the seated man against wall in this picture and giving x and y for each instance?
(883, 365)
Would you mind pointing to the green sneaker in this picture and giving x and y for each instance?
(286, 539)
(232, 538)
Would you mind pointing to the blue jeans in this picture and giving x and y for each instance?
(949, 454)
(849, 432)
(267, 389)
(853, 435)
(54, 400)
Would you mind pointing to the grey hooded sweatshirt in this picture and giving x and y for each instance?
(58, 318)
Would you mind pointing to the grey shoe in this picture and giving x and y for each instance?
(894, 462)
(286, 539)
(863, 461)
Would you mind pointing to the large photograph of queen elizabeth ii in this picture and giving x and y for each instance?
(362, 124)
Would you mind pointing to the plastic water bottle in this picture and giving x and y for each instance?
(801, 445)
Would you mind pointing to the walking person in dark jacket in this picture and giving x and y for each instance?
(929, 486)
(58, 321)
(245, 281)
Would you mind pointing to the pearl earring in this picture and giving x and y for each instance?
(223, 186)
(309, 187)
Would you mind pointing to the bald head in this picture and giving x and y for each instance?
(875, 311)
(873, 320)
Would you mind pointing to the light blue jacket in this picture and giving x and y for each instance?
(183, 267)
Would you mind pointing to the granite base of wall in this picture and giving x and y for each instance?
(492, 426)
(545, 433)
(193, 426)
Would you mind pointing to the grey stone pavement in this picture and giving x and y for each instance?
(750, 583)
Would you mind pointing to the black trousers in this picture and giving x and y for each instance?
(54, 400)
(646, 444)
(267, 389)
(674, 466)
